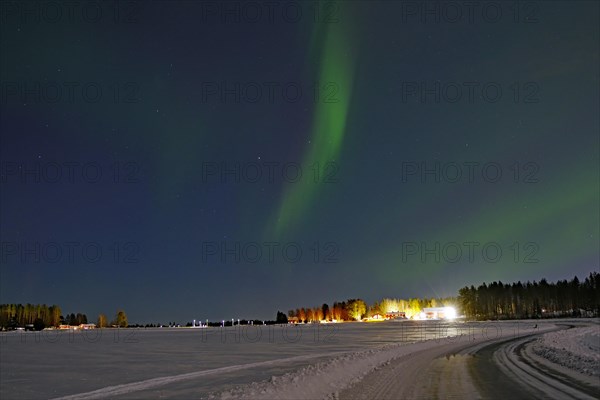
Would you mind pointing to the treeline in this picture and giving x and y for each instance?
(349, 310)
(532, 299)
(120, 320)
(357, 309)
(40, 315)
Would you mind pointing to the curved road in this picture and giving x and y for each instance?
(502, 368)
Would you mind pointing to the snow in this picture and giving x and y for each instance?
(577, 349)
(278, 362)
(317, 380)
(326, 380)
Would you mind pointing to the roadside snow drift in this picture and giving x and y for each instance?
(577, 349)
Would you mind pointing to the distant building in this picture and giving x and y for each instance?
(395, 314)
(293, 320)
(439, 313)
(75, 327)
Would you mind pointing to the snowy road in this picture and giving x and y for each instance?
(515, 361)
(499, 368)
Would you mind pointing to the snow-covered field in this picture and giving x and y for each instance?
(577, 349)
(305, 361)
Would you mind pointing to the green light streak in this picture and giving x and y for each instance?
(335, 80)
(553, 219)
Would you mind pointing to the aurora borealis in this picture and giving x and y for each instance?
(336, 132)
(335, 64)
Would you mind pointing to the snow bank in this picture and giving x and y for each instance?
(577, 349)
(320, 380)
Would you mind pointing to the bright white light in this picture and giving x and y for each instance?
(450, 313)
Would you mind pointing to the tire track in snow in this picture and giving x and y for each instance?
(440, 371)
(514, 362)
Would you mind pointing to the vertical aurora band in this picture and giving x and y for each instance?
(333, 52)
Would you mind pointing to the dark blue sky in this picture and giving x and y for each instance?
(131, 140)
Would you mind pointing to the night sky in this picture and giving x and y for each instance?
(149, 151)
